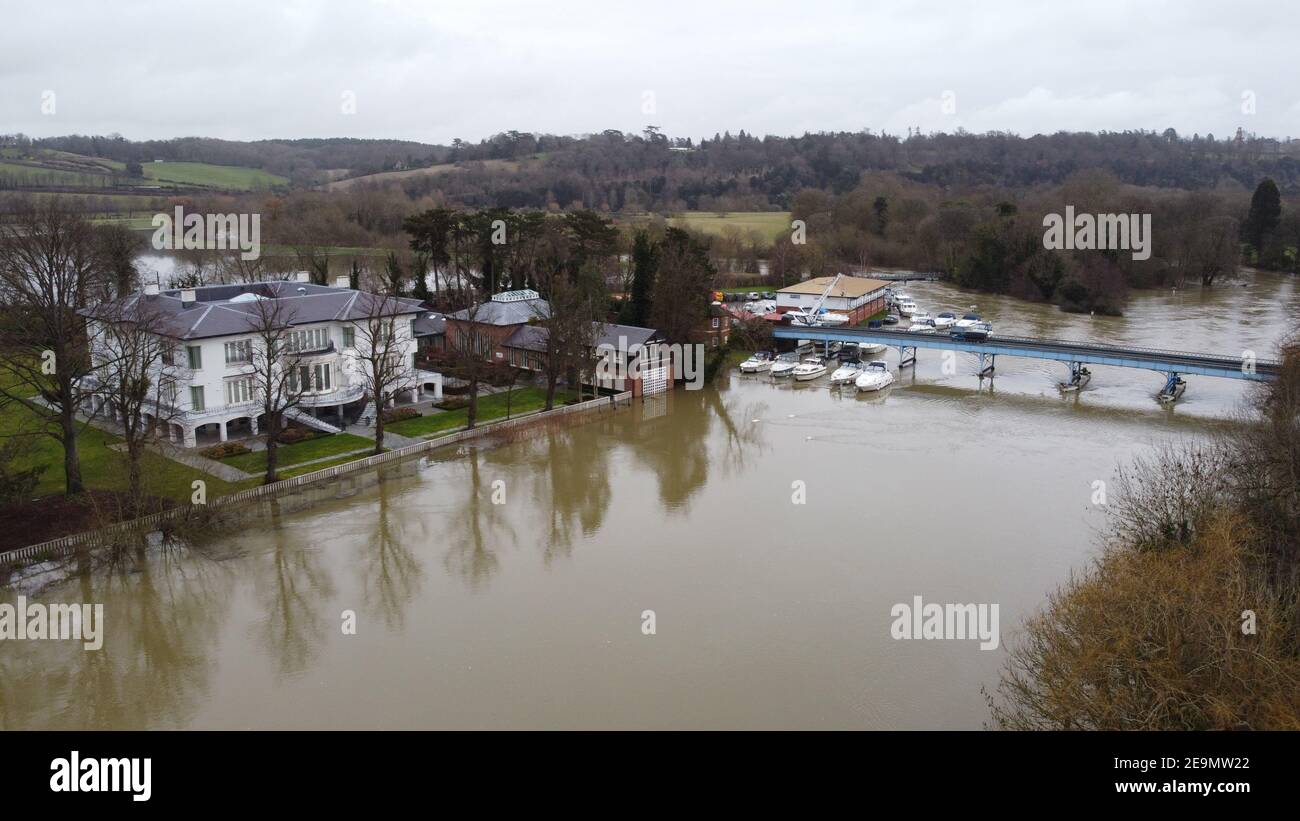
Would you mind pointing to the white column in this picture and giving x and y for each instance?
(252, 425)
(189, 437)
(221, 430)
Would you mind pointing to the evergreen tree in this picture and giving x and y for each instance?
(644, 260)
(1264, 216)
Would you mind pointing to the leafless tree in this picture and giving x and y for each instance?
(469, 346)
(132, 357)
(276, 370)
(48, 270)
(570, 334)
(380, 353)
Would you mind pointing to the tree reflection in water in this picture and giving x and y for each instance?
(162, 620)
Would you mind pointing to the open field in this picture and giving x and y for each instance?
(224, 177)
(433, 170)
(770, 224)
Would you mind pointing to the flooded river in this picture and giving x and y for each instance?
(506, 586)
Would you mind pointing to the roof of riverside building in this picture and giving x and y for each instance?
(850, 287)
(230, 310)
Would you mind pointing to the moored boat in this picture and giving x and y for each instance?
(875, 376)
(810, 368)
(758, 362)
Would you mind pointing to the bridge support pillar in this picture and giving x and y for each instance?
(904, 358)
(1174, 388)
(991, 359)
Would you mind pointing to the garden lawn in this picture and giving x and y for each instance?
(334, 444)
(101, 467)
(490, 408)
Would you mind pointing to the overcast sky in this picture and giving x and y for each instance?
(432, 71)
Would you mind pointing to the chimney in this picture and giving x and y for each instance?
(343, 282)
(188, 298)
(151, 289)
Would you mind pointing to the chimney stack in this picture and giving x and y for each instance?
(343, 282)
(188, 298)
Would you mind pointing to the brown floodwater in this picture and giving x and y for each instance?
(504, 585)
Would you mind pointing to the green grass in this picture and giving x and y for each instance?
(101, 467)
(770, 224)
(39, 175)
(489, 408)
(288, 455)
(342, 460)
(224, 177)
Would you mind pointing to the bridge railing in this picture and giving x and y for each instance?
(1036, 342)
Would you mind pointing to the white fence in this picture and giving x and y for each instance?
(65, 545)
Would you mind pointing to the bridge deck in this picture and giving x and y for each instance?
(1165, 361)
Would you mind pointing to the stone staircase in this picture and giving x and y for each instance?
(302, 417)
(367, 417)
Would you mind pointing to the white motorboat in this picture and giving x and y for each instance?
(975, 332)
(784, 364)
(847, 373)
(870, 347)
(809, 369)
(801, 319)
(758, 362)
(921, 316)
(945, 320)
(906, 308)
(874, 377)
(968, 320)
(925, 327)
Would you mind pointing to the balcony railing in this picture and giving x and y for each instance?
(338, 396)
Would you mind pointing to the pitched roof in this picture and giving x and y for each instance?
(533, 337)
(226, 310)
(850, 287)
(507, 313)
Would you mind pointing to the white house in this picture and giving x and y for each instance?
(209, 389)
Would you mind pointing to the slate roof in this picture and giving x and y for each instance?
(213, 313)
(533, 338)
(507, 313)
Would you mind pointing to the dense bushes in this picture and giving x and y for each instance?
(1190, 618)
(398, 414)
(225, 450)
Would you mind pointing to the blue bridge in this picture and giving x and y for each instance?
(1173, 364)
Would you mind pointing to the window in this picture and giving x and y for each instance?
(195, 356)
(168, 391)
(169, 354)
(715, 322)
(239, 351)
(322, 375)
(196, 399)
(349, 337)
(239, 391)
(312, 339)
